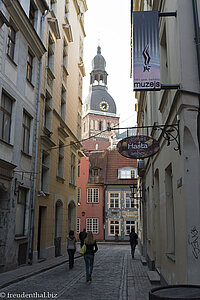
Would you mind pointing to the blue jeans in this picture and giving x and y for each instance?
(71, 257)
(133, 249)
(89, 261)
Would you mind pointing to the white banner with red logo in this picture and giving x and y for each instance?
(146, 51)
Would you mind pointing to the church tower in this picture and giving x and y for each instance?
(99, 111)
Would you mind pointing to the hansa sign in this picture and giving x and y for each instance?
(138, 146)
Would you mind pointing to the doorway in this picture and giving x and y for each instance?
(58, 227)
(41, 242)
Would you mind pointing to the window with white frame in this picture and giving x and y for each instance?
(92, 224)
(114, 200)
(26, 126)
(129, 202)
(129, 224)
(5, 117)
(21, 212)
(127, 173)
(92, 195)
(79, 196)
(73, 169)
(78, 225)
(114, 227)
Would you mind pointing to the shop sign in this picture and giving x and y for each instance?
(138, 147)
(129, 214)
(146, 51)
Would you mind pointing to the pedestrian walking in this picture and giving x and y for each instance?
(133, 241)
(71, 248)
(91, 249)
(82, 236)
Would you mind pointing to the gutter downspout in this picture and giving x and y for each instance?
(35, 167)
(197, 40)
(36, 155)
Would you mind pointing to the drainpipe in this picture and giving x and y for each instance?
(36, 154)
(197, 40)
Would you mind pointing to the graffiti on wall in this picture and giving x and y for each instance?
(194, 241)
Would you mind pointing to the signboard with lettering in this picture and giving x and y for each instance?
(129, 214)
(138, 146)
(146, 51)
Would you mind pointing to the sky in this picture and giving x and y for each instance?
(107, 23)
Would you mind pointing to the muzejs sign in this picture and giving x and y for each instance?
(138, 146)
(146, 51)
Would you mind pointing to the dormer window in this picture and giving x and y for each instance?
(127, 173)
(96, 172)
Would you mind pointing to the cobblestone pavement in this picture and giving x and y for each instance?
(115, 277)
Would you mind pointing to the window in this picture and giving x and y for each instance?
(95, 172)
(11, 42)
(170, 210)
(50, 54)
(100, 125)
(114, 200)
(129, 202)
(78, 223)
(32, 13)
(63, 103)
(48, 111)
(45, 171)
(78, 170)
(92, 225)
(127, 173)
(5, 117)
(114, 227)
(21, 212)
(128, 226)
(26, 132)
(52, 5)
(79, 196)
(65, 55)
(29, 71)
(73, 169)
(92, 195)
(61, 160)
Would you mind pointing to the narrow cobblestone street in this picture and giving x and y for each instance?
(115, 276)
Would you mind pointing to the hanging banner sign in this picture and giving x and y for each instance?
(138, 146)
(146, 51)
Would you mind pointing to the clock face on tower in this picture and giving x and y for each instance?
(104, 105)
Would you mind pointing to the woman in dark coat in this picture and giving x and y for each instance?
(91, 249)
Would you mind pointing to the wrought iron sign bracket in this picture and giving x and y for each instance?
(170, 133)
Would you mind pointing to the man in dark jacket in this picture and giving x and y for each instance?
(133, 241)
(82, 236)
